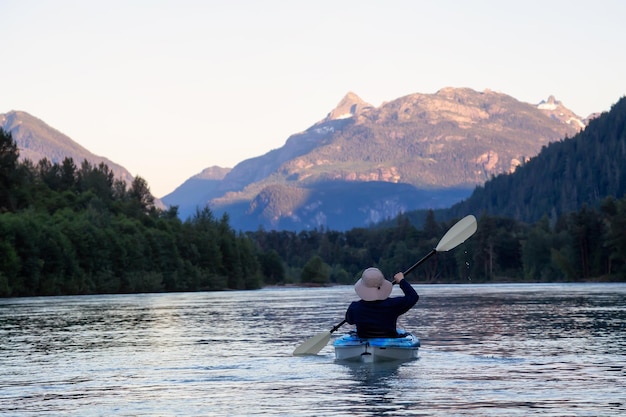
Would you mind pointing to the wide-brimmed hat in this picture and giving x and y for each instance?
(372, 285)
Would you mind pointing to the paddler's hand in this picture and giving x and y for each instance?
(398, 277)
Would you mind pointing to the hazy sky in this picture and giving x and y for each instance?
(168, 88)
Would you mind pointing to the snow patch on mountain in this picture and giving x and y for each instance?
(546, 106)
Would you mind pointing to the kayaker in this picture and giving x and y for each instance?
(376, 314)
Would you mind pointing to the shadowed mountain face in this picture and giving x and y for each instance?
(362, 164)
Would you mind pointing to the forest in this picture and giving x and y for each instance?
(68, 229)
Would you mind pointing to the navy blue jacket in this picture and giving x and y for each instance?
(378, 318)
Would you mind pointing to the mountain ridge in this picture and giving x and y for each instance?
(37, 140)
(454, 139)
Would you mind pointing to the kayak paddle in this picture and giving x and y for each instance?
(457, 234)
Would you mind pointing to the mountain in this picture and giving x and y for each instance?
(361, 163)
(556, 110)
(199, 187)
(36, 140)
(564, 176)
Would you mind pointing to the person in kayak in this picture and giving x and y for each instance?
(376, 314)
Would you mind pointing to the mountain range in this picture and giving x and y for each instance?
(362, 164)
(357, 166)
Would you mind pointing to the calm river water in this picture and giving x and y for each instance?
(487, 350)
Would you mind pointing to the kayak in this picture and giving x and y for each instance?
(351, 347)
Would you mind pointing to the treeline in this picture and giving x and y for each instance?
(77, 230)
(585, 245)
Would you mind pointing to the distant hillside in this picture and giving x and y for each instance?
(200, 187)
(36, 140)
(563, 177)
(430, 150)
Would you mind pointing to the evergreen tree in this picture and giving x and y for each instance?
(272, 267)
(615, 237)
(9, 178)
(315, 271)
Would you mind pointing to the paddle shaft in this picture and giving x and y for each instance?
(421, 261)
(418, 263)
(338, 326)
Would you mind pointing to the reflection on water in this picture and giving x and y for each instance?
(372, 387)
(486, 350)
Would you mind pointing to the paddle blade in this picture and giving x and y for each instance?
(313, 345)
(458, 234)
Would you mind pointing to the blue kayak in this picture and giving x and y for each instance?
(351, 347)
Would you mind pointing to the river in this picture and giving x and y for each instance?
(487, 350)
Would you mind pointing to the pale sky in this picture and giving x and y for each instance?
(168, 88)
